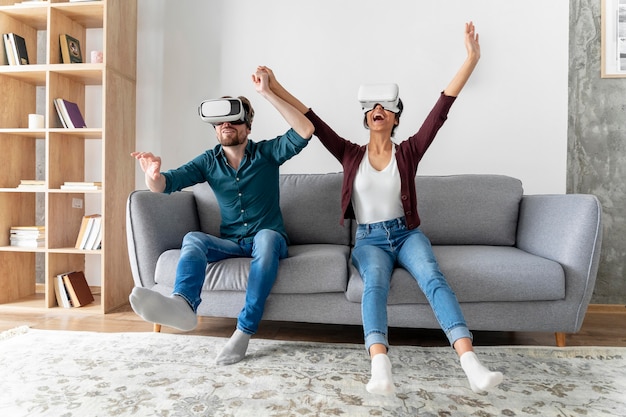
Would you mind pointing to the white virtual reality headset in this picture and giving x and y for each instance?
(384, 94)
(218, 111)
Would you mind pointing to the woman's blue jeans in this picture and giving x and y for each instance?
(378, 248)
(266, 249)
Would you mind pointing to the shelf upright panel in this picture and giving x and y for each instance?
(18, 144)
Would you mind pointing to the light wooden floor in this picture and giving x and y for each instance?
(603, 326)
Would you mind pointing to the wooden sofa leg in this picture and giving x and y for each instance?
(560, 339)
(157, 327)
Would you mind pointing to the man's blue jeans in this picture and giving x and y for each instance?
(378, 247)
(266, 248)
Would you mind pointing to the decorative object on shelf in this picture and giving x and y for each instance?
(97, 57)
(70, 49)
(78, 288)
(28, 236)
(15, 47)
(35, 121)
(69, 113)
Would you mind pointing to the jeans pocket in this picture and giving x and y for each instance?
(361, 234)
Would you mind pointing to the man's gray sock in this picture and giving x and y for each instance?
(173, 311)
(235, 349)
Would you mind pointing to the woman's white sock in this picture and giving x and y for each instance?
(480, 378)
(381, 381)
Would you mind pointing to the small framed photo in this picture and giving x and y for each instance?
(70, 50)
(613, 57)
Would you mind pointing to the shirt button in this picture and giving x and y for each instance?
(245, 224)
(237, 179)
(242, 210)
(404, 197)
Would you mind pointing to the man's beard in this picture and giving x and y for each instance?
(231, 140)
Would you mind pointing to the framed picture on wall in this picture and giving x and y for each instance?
(613, 59)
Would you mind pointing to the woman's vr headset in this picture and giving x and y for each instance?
(384, 94)
(218, 111)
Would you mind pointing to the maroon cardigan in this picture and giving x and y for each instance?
(408, 155)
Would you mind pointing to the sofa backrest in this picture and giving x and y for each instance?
(469, 209)
(310, 203)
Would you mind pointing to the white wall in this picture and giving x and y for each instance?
(510, 119)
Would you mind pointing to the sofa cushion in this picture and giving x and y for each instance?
(309, 269)
(311, 207)
(479, 274)
(469, 209)
(310, 204)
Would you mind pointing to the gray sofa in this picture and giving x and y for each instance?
(516, 262)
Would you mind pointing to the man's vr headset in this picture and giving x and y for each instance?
(384, 94)
(218, 111)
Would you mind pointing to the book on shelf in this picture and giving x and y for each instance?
(94, 232)
(78, 288)
(15, 48)
(90, 226)
(81, 185)
(60, 291)
(8, 50)
(69, 113)
(70, 49)
(33, 185)
(28, 236)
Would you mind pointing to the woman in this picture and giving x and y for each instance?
(379, 191)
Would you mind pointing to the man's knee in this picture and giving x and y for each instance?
(268, 242)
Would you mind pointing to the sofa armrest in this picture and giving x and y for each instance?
(155, 223)
(567, 229)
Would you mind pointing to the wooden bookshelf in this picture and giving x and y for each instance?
(24, 89)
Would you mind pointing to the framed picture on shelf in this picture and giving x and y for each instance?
(613, 55)
(70, 49)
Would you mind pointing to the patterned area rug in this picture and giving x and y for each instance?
(69, 374)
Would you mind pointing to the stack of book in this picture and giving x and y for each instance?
(81, 185)
(69, 113)
(32, 185)
(90, 233)
(15, 48)
(72, 290)
(28, 236)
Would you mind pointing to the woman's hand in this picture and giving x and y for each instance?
(472, 44)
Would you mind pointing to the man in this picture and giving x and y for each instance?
(244, 176)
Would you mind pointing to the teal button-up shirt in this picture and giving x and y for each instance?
(249, 198)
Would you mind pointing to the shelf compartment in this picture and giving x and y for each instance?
(18, 99)
(35, 15)
(18, 210)
(17, 159)
(63, 219)
(86, 74)
(88, 14)
(16, 280)
(30, 74)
